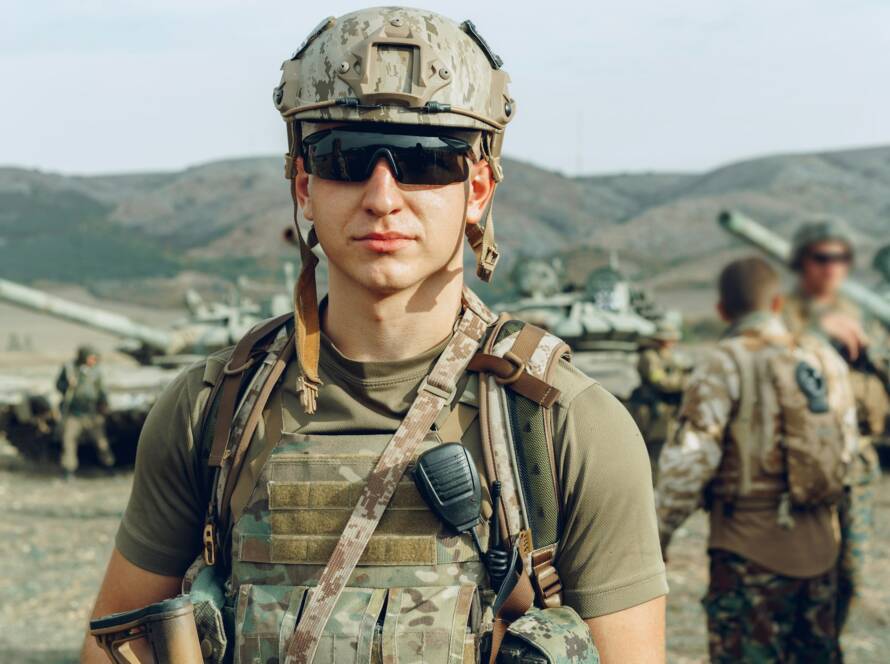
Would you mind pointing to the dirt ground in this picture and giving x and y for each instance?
(55, 538)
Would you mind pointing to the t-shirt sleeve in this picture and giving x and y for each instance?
(610, 558)
(162, 524)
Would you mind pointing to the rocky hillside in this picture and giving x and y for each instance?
(226, 217)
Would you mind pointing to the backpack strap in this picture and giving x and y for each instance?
(743, 429)
(517, 441)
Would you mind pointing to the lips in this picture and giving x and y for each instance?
(385, 242)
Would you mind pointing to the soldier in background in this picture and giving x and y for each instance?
(822, 254)
(744, 450)
(84, 405)
(655, 402)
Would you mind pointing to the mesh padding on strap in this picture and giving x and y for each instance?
(535, 472)
(533, 460)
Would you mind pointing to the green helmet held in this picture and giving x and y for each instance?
(823, 229)
(398, 66)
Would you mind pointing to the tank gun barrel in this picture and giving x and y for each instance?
(779, 248)
(105, 321)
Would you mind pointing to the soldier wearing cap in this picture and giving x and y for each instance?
(84, 404)
(395, 121)
(822, 255)
(662, 375)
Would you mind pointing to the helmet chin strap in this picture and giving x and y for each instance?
(308, 326)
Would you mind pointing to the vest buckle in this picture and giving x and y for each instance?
(209, 539)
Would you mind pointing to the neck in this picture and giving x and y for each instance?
(816, 295)
(370, 326)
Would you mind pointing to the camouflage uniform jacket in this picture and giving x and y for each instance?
(701, 456)
(82, 388)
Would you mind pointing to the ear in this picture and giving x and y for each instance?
(481, 189)
(302, 190)
(721, 311)
(777, 304)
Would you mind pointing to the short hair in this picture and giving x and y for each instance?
(747, 285)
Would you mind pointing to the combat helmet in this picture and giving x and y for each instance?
(389, 65)
(822, 229)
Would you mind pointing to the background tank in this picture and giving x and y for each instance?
(606, 323)
(29, 401)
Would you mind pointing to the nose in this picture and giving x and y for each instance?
(382, 194)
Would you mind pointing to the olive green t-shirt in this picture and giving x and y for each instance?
(609, 557)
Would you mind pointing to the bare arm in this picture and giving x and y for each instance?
(126, 587)
(631, 636)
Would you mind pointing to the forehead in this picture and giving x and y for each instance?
(828, 246)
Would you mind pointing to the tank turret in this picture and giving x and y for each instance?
(779, 248)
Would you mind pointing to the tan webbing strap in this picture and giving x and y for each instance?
(240, 361)
(743, 429)
(435, 393)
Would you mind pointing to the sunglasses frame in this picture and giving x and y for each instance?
(390, 145)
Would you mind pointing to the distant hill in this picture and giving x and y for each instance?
(226, 217)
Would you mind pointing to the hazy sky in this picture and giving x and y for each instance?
(90, 86)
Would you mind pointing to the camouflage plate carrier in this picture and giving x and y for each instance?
(417, 593)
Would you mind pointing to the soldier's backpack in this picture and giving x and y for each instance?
(515, 395)
(792, 440)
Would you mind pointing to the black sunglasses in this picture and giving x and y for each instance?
(349, 155)
(827, 258)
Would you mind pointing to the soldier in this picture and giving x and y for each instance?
(656, 400)
(822, 254)
(84, 406)
(765, 431)
(395, 120)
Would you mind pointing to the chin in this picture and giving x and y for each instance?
(389, 279)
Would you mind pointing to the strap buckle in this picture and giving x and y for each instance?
(447, 394)
(516, 374)
(209, 539)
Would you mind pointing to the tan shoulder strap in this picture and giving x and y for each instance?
(743, 429)
(243, 358)
(436, 392)
(513, 448)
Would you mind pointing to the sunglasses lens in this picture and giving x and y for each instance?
(349, 156)
(828, 259)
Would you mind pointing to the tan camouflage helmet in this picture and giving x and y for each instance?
(390, 65)
(823, 229)
(666, 330)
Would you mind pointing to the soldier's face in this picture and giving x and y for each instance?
(387, 236)
(824, 267)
